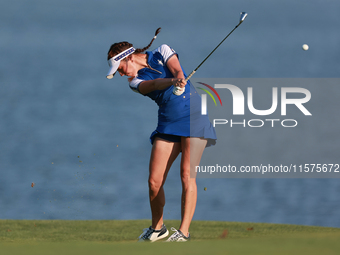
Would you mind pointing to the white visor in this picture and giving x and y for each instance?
(115, 61)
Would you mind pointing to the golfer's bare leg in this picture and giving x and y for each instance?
(163, 155)
(192, 150)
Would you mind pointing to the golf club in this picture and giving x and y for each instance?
(179, 91)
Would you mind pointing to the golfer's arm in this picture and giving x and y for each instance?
(174, 66)
(146, 87)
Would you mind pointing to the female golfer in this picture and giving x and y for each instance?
(181, 127)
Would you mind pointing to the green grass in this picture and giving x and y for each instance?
(119, 237)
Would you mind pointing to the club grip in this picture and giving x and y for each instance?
(191, 74)
(179, 91)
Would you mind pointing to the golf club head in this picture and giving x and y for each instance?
(243, 16)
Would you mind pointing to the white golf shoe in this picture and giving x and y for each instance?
(152, 235)
(178, 236)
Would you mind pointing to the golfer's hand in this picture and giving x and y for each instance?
(179, 82)
(179, 86)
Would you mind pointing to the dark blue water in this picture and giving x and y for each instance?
(83, 140)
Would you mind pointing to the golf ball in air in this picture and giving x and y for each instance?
(305, 47)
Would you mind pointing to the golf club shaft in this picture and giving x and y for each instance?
(179, 91)
(192, 73)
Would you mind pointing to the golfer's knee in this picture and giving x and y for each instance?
(186, 177)
(154, 185)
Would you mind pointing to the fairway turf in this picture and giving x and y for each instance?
(120, 237)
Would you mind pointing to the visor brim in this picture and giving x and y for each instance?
(113, 70)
